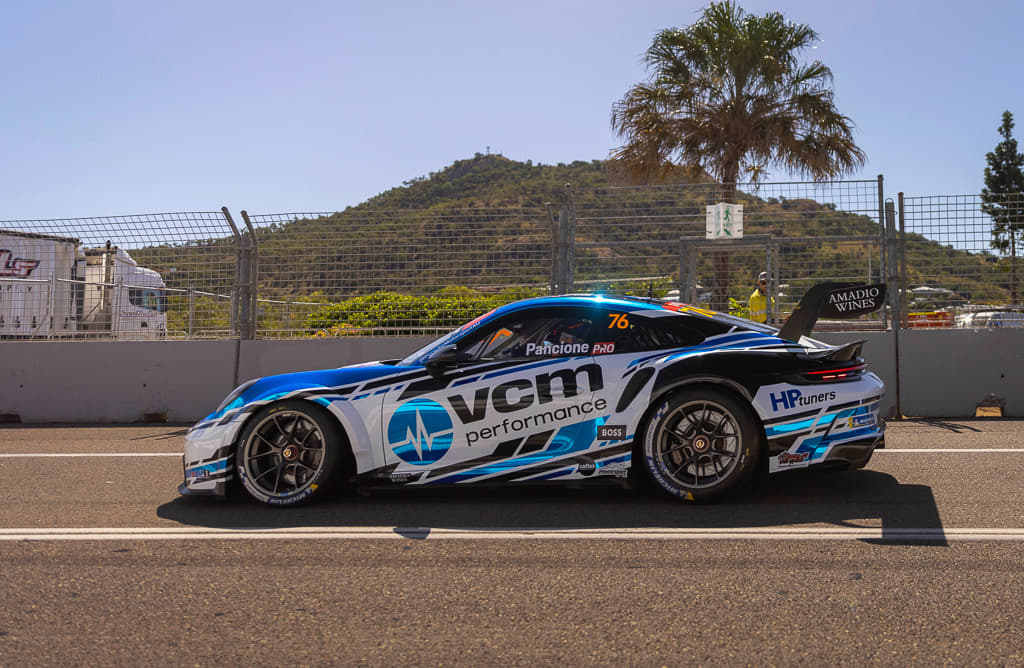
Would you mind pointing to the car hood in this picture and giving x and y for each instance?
(270, 388)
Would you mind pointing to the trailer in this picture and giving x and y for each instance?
(52, 287)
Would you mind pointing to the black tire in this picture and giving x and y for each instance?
(290, 453)
(701, 444)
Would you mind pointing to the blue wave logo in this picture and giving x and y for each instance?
(420, 432)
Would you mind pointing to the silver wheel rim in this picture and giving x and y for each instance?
(698, 444)
(284, 454)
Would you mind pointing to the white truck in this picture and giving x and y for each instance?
(53, 288)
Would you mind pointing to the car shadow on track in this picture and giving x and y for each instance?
(859, 499)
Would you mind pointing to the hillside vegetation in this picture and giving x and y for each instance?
(483, 226)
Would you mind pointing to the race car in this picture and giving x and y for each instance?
(566, 388)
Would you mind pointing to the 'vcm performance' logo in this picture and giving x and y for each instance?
(16, 267)
(420, 432)
(522, 393)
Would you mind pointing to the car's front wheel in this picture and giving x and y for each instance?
(700, 444)
(289, 453)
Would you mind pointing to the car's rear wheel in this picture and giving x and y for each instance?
(289, 453)
(701, 444)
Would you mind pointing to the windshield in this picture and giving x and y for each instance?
(151, 299)
(420, 356)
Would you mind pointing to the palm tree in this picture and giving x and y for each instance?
(727, 95)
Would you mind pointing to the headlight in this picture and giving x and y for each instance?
(235, 396)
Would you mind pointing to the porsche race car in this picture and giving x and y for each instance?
(576, 387)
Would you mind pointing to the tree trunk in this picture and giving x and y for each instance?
(720, 260)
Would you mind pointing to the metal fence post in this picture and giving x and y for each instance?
(233, 326)
(774, 274)
(52, 306)
(883, 250)
(894, 292)
(562, 243)
(244, 292)
(191, 310)
(904, 318)
(570, 242)
(684, 273)
(892, 268)
(555, 261)
(254, 260)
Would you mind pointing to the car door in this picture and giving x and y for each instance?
(627, 345)
(518, 399)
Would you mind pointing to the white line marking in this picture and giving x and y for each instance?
(423, 533)
(30, 455)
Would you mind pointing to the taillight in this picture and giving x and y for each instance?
(834, 375)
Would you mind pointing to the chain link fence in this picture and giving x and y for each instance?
(395, 272)
(648, 240)
(960, 260)
(118, 277)
(391, 272)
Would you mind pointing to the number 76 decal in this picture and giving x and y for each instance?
(619, 321)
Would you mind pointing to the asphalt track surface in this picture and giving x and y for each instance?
(916, 560)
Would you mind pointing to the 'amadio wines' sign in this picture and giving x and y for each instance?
(851, 302)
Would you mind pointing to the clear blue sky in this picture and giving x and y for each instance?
(140, 106)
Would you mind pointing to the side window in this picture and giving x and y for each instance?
(148, 298)
(629, 332)
(537, 334)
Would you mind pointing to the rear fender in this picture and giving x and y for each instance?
(729, 384)
(718, 382)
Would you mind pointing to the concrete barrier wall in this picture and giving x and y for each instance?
(947, 373)
(177, 381)
(265, 358)
(943, 373)
(113, 381)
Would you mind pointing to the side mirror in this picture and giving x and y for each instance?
(442, 358)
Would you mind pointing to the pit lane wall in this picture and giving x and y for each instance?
(154, 381)
(943, 374)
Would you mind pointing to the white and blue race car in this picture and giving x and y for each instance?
(554, 389)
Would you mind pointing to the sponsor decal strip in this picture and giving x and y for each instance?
(792, 416)
(719, 342)
(391, 379)
(601, 470)
(916, 534)
(558, 463)
(217, 469)
(523, 366)
(552, 476)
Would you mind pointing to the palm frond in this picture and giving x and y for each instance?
(730, 91)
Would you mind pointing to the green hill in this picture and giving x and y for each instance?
(479, 231)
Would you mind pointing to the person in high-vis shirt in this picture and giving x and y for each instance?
(759, 299)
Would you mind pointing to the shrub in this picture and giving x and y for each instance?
(392, 313)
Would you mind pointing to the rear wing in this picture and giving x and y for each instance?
(834, 301)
